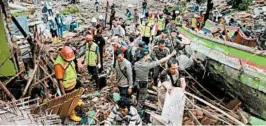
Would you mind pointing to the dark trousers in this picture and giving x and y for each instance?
(146, 40)
(141, 95)
(123, 92)
(110, 23)
(50, 11)
(94, 72)
(101, 59)
(156, 71)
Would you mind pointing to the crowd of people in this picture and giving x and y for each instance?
(146, 52)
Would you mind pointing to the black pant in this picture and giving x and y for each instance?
(101, 60)
(53, 33)
(50, 11)
(146, 40)
(94, 72)
(124, 92)
(110, 23)
(156, 71)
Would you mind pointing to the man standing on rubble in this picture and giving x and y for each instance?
(170, 78)
(112, 16)
(158, 52)
(123, 70)
(59, 22)
(146, 31)
(92, 58)
(100, 41)
(66, 74)
(142, 68)
(175, 42)
(116, 29)
(162, 36)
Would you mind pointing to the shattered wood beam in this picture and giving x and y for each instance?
(207, 113)
(218, 109)
(30, 79)
(40, 81)
(14, 77)
(3, 87)
(194, 118)
(49, 75)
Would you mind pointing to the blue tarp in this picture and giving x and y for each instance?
(22, 20)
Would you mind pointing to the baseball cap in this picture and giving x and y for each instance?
(142, 44)
(143, 52)
(165, 31)
(118, 52)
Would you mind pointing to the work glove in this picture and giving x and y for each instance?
(99, 65)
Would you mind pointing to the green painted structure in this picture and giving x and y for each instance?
(8, 68)
(241, 69)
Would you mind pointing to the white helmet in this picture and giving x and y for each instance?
(101, 17)
(57, 12)
(42, 2)
(93, 20)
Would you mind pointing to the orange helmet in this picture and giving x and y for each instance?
(67, 53)
(89, 38)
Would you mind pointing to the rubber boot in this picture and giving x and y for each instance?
(74, 117)
(80, 102)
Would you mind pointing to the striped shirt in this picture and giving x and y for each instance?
(116, 118)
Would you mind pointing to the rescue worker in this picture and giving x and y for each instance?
(124, 114)
(92, 58)
(98, 38)
(142, 68)
(66, 75)
(170, 78)
(172, 26)
(158, 52)
(53, 29)
(144, 7)
(93, 28)
(162, 36)
(136, 17)
(116, 29)
(176, 43)
(194, 23)
(59, 23)
(161, 22)
(146, 31)
(112, 16)
(123, 70)
(102, 21)
(178, 19)
(150, 19)
(141, 46)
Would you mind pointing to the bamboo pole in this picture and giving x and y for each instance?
(3, 87)
(30, 80)
(214, 107)
(14, 77)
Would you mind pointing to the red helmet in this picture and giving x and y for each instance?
(67, 53)
(89, 38)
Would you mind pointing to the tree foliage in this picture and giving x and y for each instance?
(240, 4)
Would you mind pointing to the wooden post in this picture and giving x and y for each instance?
(3, 87)
(106, 11)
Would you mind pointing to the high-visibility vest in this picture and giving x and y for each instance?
(193, 22)
(70, 75)
(151, 20)
(146, 30)
(91, 54)
(160, 24)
